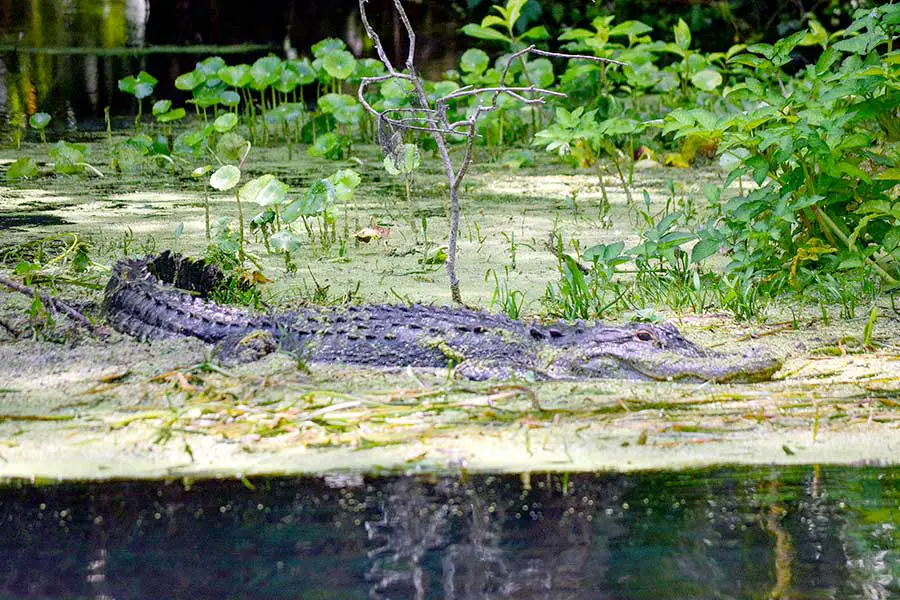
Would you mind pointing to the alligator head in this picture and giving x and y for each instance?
(652, 352)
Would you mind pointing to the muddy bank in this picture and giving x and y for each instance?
(75, 407)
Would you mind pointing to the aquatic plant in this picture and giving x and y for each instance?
(140, 86)
(431, 116)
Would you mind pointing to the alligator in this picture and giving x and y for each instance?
(167, 296)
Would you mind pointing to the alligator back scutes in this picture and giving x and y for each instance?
(142, 301)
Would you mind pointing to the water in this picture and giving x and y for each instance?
(731, 533)
(65, 58)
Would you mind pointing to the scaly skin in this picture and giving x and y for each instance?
(141, 301)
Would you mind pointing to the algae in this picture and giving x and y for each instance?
(77, 407)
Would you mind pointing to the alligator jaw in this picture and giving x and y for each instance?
(719, 368)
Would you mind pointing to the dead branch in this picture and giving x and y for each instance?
(435, 120)
(56, 303)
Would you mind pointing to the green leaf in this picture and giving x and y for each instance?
(892, 174)
(265, 190)
(305, 73)
(24, 267)
(39, 120)
(172, 115)
(707, 80)
(265, 72)
(24, 168)
(285, 241)
(211, 66)
(229, 98)
(225, 178)
(345, 108)
(536, 33)
(190, 81)
(604, 252)
(436, 257)
(231, 146)
(201, 171)
(861, 44)
(439, 89)
(225, 122)
(540, 72)
(816, 36)
(760, 168)
(237, 76)
(320, 49)
(405, 163)
(330, 146)
(161, 107)
(339, 64)
(287, 81)
(630, 28)
(331, 103)
(765, 49)
(704, 249)
(483, 33)
(67, 158)
(783, 47)
(474, 61)
(682, 35)
(315, 201)
(396, 89)
(891, 241)
(345, 182)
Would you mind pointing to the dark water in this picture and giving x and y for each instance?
(735, 533)
(43, 66)
(64, 57)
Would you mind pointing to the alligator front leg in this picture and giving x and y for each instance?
(241, 348)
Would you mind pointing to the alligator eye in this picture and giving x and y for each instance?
(644, 335)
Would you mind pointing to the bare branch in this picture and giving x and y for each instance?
(431, 117)
(534, 50)
(405, 124)
(506, 90)
(374, 37)
(56, 303)
(410, 57)
(409, 109)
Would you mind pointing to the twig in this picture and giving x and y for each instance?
(461, 93)
(55, 303)
(436, 122)
(553, 247)
(534, 50)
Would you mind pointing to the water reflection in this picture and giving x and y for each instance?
(74, 85)
(66, 85)
(776, 533)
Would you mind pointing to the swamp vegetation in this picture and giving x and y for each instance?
(748, 195)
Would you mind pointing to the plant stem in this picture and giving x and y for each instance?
(206, 213)
(237, 196)
(843, 237)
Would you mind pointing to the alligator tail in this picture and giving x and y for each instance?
(165, 296)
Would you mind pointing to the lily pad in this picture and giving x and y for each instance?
(339, 64)
(24, 168)
(225, 123)
(265, 190)
(39, 120)
(225, 178)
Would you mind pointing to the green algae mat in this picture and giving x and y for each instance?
(76, 407)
